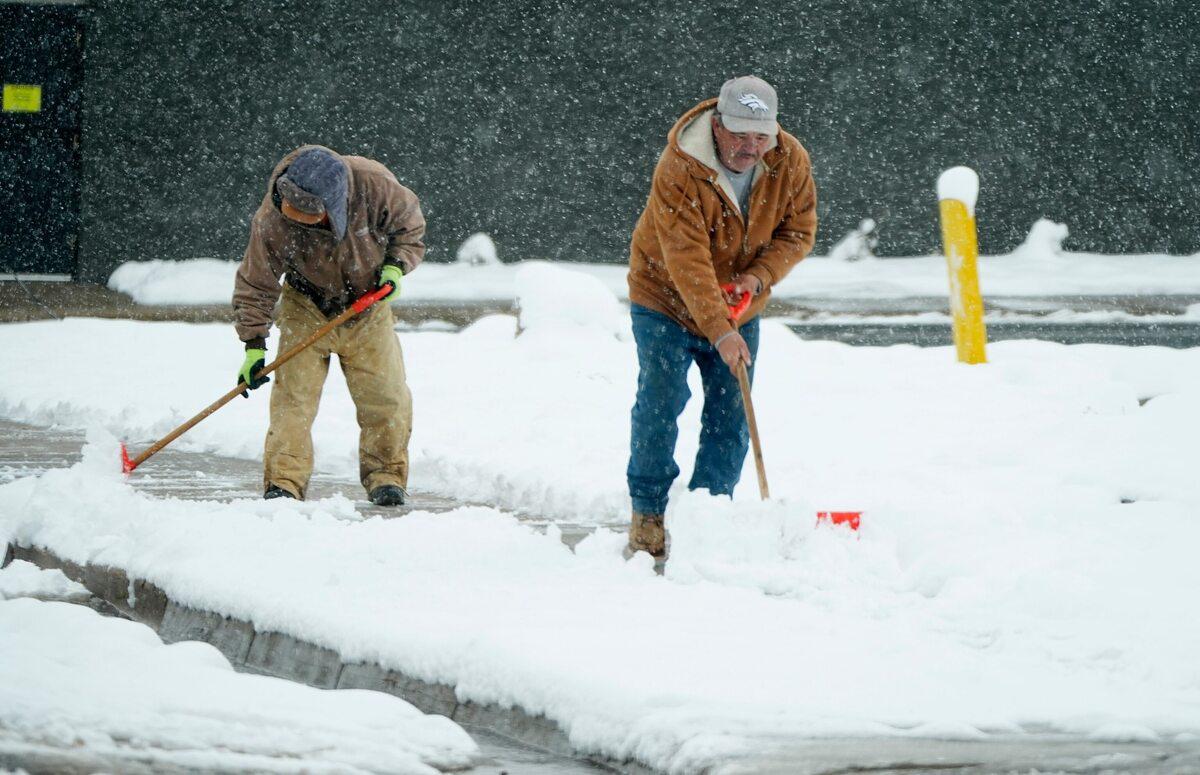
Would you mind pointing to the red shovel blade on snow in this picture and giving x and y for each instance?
(850, 519)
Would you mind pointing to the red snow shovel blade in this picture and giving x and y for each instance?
(126, 463)
(851, 519)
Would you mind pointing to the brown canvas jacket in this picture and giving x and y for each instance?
(384, 224)
(692, 237)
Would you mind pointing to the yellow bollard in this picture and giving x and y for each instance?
(957, 190)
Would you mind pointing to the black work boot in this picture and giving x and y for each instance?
(388, 495)
(275, 491)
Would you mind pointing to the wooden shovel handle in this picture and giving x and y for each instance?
(365, 301)
(735, 311)
(744, 383)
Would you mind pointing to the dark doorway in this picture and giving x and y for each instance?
(41, 69)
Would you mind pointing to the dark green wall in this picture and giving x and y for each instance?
(540, 122)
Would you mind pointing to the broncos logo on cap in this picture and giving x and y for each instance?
(754, 102)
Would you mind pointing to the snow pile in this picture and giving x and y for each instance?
(24, 579)
(1044, 242)
(774, 546)
(158, 282)
(857, 244)
(102, 452)
(72, 679)
(561, 302)
(552, 385)
(105, 394)
(477, 250)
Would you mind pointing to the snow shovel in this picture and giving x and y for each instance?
(365, 301)
(735, 311)
(851, 519)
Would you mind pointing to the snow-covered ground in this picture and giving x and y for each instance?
(1026, 560)
(1039, 267)
(73, 680)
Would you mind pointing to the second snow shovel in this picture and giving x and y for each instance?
(735, 311)
(358, 307)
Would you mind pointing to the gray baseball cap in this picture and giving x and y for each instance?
(749, 104)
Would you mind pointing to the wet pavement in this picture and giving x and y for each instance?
(27, 450)
(1125, 332)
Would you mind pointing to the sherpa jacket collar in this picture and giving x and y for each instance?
(692, 137)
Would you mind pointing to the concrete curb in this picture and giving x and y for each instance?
(283, 656)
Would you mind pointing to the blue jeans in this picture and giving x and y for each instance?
(665, 352)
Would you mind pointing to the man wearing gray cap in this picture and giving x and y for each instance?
(334, 227)
(732, 202)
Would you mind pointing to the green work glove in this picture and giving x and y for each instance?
(255, 358)
(390, 274)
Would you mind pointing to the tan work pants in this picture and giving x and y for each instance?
(371, 360)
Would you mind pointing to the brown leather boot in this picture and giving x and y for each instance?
(646, 534)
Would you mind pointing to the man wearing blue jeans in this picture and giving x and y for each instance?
(732, 202)
(665, 352)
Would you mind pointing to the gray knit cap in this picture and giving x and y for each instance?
(317, 182)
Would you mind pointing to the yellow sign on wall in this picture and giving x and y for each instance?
(22, 98)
